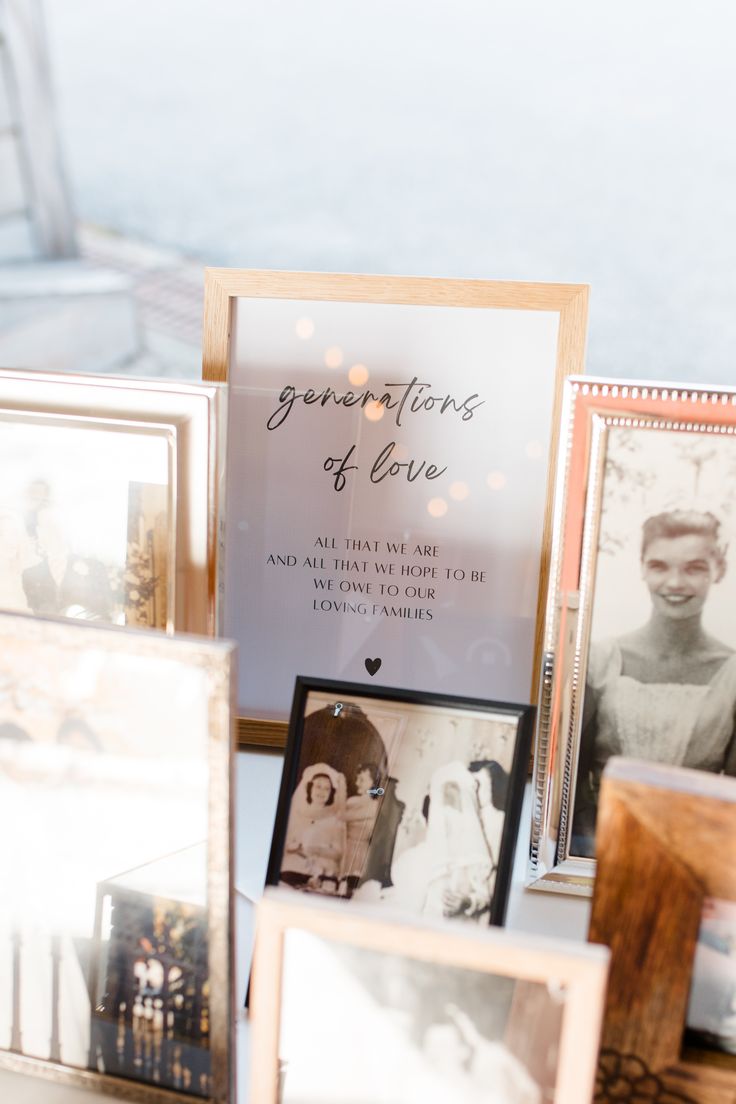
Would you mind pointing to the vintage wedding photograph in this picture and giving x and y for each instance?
(375, 1008)
(437, 1033)
(86, 519)
(660, 678)
(402, 799)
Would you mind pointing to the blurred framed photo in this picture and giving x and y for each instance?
(347, 1007)
(410, 801)
(115, 939)
(665, 904)
(109, 500)
(388, 455)
(640, 648)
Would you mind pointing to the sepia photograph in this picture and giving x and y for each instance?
(400, 799)
(106, 744)
(711, 1011)
(86, 517)
(661, 667)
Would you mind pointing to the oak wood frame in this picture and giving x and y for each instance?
(581, 969)
(223, 286)
(665, 841)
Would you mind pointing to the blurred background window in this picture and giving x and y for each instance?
(525, 140)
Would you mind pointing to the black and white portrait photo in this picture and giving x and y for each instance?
(401, 803)
(359, 1025)
(661, 667)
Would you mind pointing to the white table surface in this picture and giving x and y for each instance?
(258, 778)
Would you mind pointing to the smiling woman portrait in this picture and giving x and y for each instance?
(666, 691)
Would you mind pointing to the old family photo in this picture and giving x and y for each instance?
(84, 539)
(399, 802)
(418, 1031)
(661, 665)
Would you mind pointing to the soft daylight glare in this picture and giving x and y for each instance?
(334, 357)
(374, 411)
(496, 480)
(558, 142)
(437, 507)
(358, 375)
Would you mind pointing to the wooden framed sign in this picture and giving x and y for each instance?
(665, 903)
(389, 447)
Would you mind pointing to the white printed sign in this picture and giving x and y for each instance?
(387, 482)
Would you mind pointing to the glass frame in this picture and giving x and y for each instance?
(226, 288)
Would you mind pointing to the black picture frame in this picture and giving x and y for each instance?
(522, 716)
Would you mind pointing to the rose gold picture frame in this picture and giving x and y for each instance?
(634, 454)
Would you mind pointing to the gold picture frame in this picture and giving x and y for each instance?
(228, 292)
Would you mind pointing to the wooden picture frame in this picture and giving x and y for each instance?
(400, 766)
(505, 345)
(643, 517)
(665, 839)
(556, 1045)
(116, 775)
(180, 542)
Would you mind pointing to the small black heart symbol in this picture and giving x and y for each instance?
(372, 665)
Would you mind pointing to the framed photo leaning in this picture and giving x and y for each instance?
(640, 649)
(408, 800)
(388, 450)
(349, 1007)
(665, 903)
(115, 797)
(109, 499)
